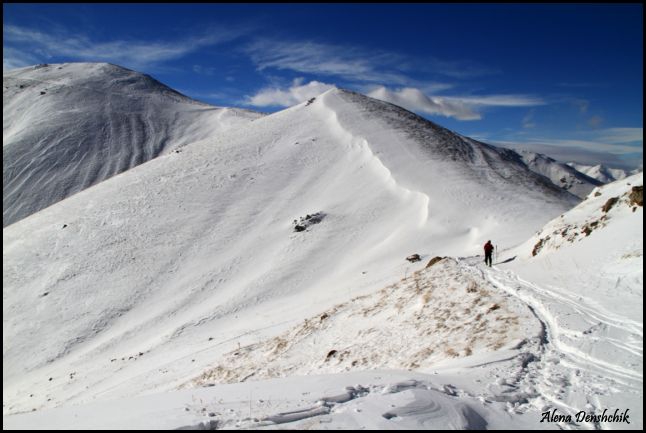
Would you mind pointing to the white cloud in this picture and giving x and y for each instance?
(354, 63)
(293, 95)
(462, 108)
(414, 100)
(599, 146)
(125, 52)
(580, 151)
(499, 100)
(622, 135)
(315, 58)
(13, 59)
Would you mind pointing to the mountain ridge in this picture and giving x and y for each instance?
(69, 126)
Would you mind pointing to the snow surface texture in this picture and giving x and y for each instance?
(69, 126)
(567, 177)
(387, 400)
(151, 279)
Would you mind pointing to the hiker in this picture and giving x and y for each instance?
(488, 251)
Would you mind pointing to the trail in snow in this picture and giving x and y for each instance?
(506, 389)
(562, 368)
(195, 253)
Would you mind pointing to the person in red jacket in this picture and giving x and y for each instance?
(488, 251)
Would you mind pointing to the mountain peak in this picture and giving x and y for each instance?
(69, 126)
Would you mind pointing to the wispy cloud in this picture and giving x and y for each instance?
(581, 151)
(580, 85)
(204, 70)
(350, 63)
(622, 135)
(581, 104)
(600, 146)
(459, 107)
(134, 53)
(595, 121)
(415, 100)
(295, 94)
(528, 120)
(13, 58)
(354, 63)
(499, 100)
(459, 68)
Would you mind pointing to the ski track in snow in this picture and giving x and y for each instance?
(559, 371)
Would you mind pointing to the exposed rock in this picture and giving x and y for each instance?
(637, 196)
(539, 245)
(610, 203)
(304, 222)
(414, 258)
(433, 261)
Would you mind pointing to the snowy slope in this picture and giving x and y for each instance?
(69, 126)
(142, 281)
(563, 175)
(375, 400)
(583, 274)
(446, 311)
(600, 172)
(187, 271)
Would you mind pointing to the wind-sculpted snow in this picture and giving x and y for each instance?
(374, 400)
(67, 127)
(479, 161)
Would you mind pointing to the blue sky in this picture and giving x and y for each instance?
(566, 80)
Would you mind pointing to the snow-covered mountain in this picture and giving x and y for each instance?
(69, 126)
(560, 347)
(602, 173)
(200, 243)
(278, 249)
(563, 175)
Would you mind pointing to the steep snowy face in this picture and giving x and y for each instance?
(69, 126)
(563, 175)
(196, 252)
(450, 172)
